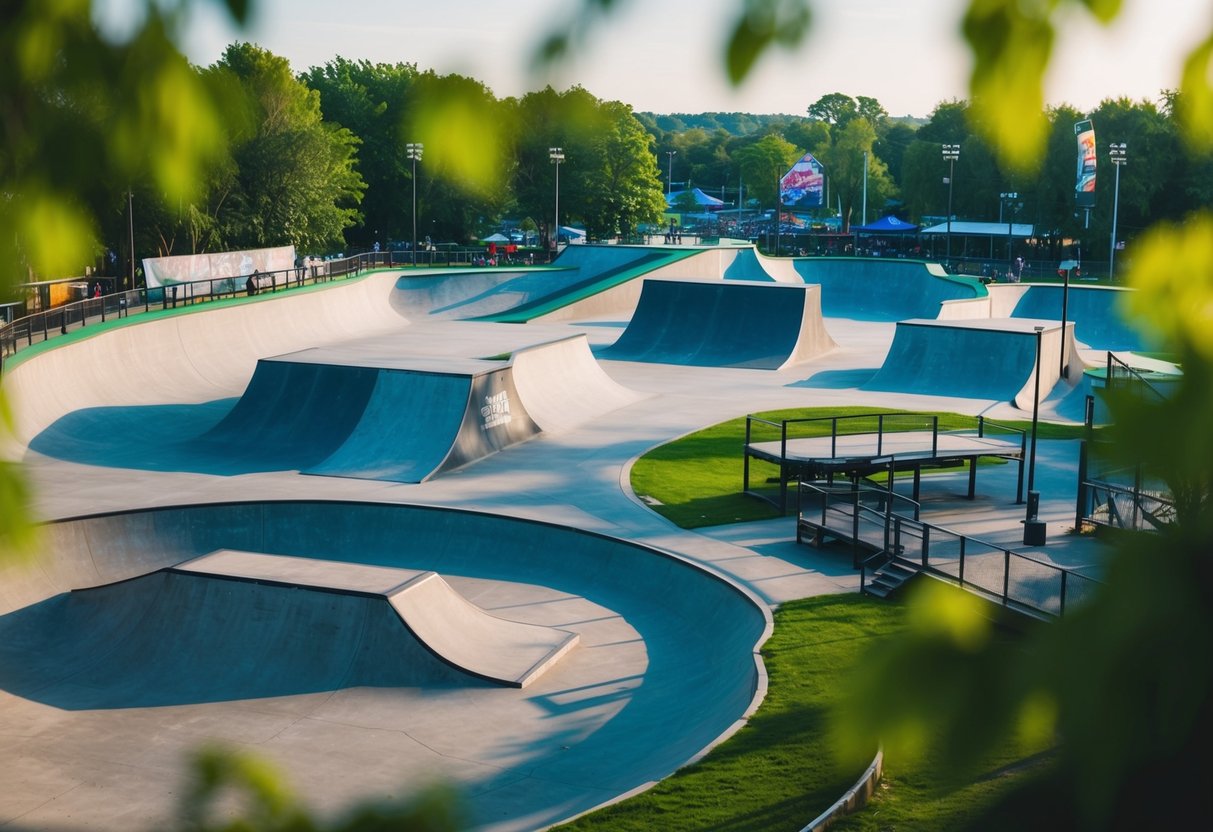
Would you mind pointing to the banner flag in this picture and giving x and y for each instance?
(804, 185)
(1084, 190)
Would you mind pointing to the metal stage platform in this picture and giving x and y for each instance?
(899, 442)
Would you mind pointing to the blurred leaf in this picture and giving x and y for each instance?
(1173, 269)
(239, 9)
(1195, 101)
(1011, 43)
(1105, 11)
(761, 24)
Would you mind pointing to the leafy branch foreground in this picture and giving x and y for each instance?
(696, 480)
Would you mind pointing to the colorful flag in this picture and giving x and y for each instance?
(1084, 190)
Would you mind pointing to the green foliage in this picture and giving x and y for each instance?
(223, 777)
(295, 180)
(779, 771)
(761, 25)
(763, 163)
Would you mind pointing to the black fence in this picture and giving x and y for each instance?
(40, 326)
(884, 528)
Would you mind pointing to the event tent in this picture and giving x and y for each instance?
(886, 225)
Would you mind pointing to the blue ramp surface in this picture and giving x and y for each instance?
(964, 361)
(884, 290)
(722, 324)
(1095, 311)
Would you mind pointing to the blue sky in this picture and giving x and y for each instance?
(665, 57)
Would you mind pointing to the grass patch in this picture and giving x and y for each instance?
(779, 771)
(697, 480)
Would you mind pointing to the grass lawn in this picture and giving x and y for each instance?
(779, 771)
(697, 480)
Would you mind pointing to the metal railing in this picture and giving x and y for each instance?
(1120, 376)
(890, 530)
(877, 425)
(46, 325)
(1122, 497)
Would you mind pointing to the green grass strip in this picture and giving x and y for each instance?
(696, 481)
(777, 772)
(595, 284)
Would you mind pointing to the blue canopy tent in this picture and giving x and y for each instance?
(885, 227)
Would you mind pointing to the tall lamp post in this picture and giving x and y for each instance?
(1033, 527)
(669, 175)
(1007, 199)
(1119, 156)
(130, 216)
(556, 154)
(951, 152)
(413, 150)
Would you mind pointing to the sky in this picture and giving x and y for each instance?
(665, 57)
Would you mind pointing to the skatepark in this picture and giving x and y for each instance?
(380, 530)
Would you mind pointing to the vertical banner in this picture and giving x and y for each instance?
(804, 185)
(1084, 189)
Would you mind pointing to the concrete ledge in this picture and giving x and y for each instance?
(854, 799)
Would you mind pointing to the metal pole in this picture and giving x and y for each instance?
(1035, 413)
(556, 154)
(130, 213)
(1118, 154)
(951, 152)
(1034, 528)
(414, 151)
(865, 187)
(669, 176)
(1065, 300)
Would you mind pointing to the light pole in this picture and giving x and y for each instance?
(669, 176)
(951, 152)
(865, 187)
(1034, 528)
(1119, 156)
(1007, 198)
(556, 154)
(413, 150)
(130, 215)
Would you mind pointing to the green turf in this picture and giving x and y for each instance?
(779, 772)
(697, 480)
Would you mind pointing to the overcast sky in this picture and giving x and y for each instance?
(665, 57)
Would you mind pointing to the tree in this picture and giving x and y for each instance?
(371, 101)
(835, 109)
(626, 190)
(763, 163)
(844, 162)
(295, 177)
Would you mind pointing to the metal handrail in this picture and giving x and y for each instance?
(900, 530)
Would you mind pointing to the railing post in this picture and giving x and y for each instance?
(1065, 574)
(926, 545)
(1023, 457)
(1006, 576)
(962, 560)
(783, 468)
(1080, 507)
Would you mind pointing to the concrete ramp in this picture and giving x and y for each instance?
(994, 359)
(748, 264)
(1095, 311)
(400, 420)
(723, 324)
(434, 615)
(562, 385)
(872, 289)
